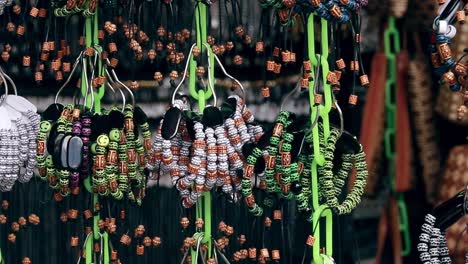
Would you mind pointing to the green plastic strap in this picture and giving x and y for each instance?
(201, 25)
(404, 226)
(323, 211)
(203, 206)
(320, 211)
(91, 30)
(392, 47)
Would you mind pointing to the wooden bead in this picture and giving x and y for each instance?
(15, 227)
(17, 9)
(247, 39)
(276, 52)
(114, 255)
(38, 76)
(277, 215)
(288, 3)
(335, 11)
(34, 12)
(364, 79)
(199, 223)
(259, 46)
(11, 27)
(26, 61)
(59, 76)
(156, 241)
(125, 239)
(184, 222)
(151, 54)
(238, 60)
(211, 40)
(270, 65)
(353, 99)
(354, 65)
(26, 260)
(74, 241)
(265, 91)
(277, 68)
(444, 51)
(310, 241)
(449, 78)
(134, 85)
(275, 254)
(5, 204)
(315, 3)
(196, 51)
(267, 222)
(331, 78)
(140, 250)
(239, 31)
(461, 111)
(173, 75)
(229, 45)
(5, 56)
(340, 64)
(460, 69)
(20, 30)
(42, 12)
(200, 71)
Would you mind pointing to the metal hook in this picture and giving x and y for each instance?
(184, 75)
(75, 65)
(223, 257)
(291, 93)
(4, 81)
(110, 82)
(84, 244)
(7, 77)
(227, 74)
(89, 88)
(340, 113)
(116, 79)
(210, 81)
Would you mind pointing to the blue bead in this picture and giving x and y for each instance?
(455, 88)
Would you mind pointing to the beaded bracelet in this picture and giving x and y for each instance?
(281, 125)
(283, 166)
(9, 145)
(33, 130)
(44, 129)
(196, 169)
(249, 173)
(432, 244)
(62, 174)
(331, 186)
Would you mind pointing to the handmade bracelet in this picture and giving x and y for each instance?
(33, 130)
(196, 169)
(283, 168)
(331, 186)
(85, 134)
(223, 165)
(212, 158)
(248, 175)
(9, 144)
(281, 125)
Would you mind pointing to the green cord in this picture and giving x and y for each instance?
(392, 47)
